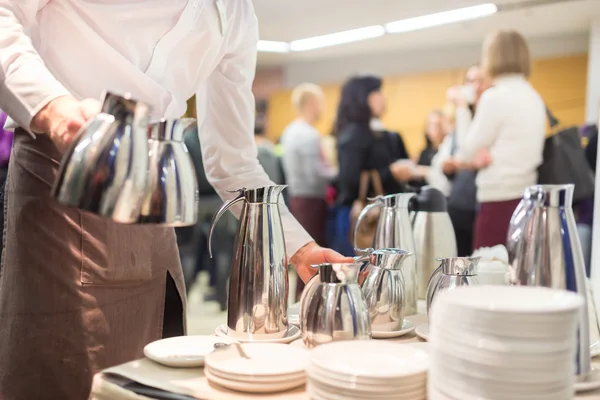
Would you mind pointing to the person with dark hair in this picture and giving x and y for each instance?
(364, 145)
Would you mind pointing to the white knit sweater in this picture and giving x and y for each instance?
(510, 122)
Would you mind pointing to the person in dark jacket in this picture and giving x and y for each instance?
(364, 146)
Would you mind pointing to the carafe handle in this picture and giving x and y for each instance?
(364, 212)
(224, 208)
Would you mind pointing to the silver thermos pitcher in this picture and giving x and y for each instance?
(394, 231)
(433, 234)
(544, 250)
(258, 284)
(105, 169)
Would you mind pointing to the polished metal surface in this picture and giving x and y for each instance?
(544, 250)
(384, 289)
(333, 307)
(171, 196)
(394, 231)
(434, 238)
(258, 285)
(452, 273)
(104, 171)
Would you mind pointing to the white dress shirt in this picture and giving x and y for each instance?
(510, 123)
(160, 51)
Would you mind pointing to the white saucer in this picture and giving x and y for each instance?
(183, 351)
(292, 334)
(255, 387)
(407, 327)
(591, 383)
(422, 331)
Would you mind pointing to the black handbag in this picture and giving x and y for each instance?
(564, 161)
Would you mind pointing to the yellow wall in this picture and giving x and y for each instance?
(560, 81)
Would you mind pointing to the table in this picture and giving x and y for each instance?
(107, 386)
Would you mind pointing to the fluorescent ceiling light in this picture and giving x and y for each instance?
(442, 18)
(273, 47)
(334, 39)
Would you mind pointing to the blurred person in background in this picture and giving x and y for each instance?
(585, 208)
(435, 132)
(266, 148)
(363, 144)
(306, 170)
(457, 180)
(505, 138)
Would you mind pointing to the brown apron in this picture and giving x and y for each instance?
(78, 293)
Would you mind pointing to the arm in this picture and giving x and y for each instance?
(226, 118)
(315, 163)
(482, 131)
(26, 85)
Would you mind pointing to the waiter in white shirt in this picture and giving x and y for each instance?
(79, 293)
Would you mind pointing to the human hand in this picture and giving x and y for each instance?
(482, 159)
(63, 117)
(450, 166)
(402, 170)
(312, 254)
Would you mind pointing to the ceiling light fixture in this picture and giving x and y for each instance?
(441, 18)
(338, 38)
(269, 46)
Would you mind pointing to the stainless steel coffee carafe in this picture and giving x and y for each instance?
(384, 289)
(544, 250)
(334, 308)
(452, 273)
(258, 285)
(433, 234)
(171, 196)
(104, 171)
(394, 231)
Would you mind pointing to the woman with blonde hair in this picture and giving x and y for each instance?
(505, 138)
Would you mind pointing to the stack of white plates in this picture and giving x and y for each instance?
(495, 342)
(258, 367)
(367, 370)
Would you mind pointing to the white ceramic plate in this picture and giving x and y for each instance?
(511, 299)
(292, 334)
(255, 387)
(256, 379)
(407, 327)
(183, 351)
(422, 331)
(369, 358)
(592, 383)
(265, 359)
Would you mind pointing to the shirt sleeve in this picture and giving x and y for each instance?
(226, 112)
(482, 131)
(435, 175)
(26, 85)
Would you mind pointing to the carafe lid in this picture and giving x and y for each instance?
(430, 199)
(389, 258)
(342, 273)
(462, 266)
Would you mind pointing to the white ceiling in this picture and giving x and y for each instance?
(287, 20)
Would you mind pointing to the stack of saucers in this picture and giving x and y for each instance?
(495, 342)
(257, 367)
(367, 370)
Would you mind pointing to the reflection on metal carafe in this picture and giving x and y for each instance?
(333, 308)
(384, 289)
(172, 192)
(258, 285)
(544, 250)
(394, 231)
(433, 234)
(452, 273)
(104, 171)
